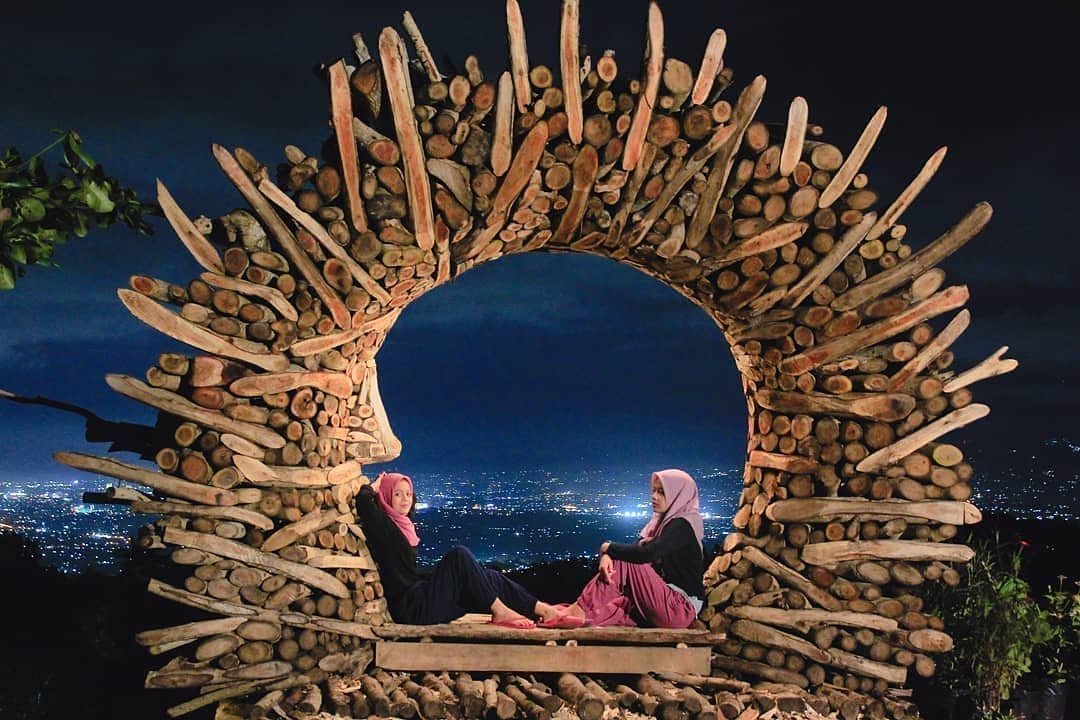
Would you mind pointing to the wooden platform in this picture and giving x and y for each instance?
(472, 644)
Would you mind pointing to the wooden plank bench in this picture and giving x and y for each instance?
(470, 644)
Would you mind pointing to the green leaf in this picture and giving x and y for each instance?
(73, 147)
(97, 198)
(7, 278)
(17, 253)
(30, 209)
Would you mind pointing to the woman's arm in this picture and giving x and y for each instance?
(674, 536)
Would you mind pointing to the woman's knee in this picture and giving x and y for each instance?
(461, 556)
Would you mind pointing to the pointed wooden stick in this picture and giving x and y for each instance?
(189, 631)
(877, 406)
(272, 296)
(417, 183)
(334, 383)
(176, 327)
(711, 64)
(719, 139)
(794, 136)
(259, 473)
(199, 247)
(322, 343)
(165, 484)
(284, 237)
(312, 522)
(774, 237)
(745, 108)
(796, 464)
(639, 126)
(918, 263)
(858, 664)
(988, 368)
(806, 620)
(828, 262)
(889, 218)
(854, 161)
(819, 509)
(763, 634)
(787, 576)
(502, 142)
(182, 407)
(422, 51)
(517, 178)
(313, 226)
(243, 515)
(519, 55)
(586, 165)
(935, 347)
(571, 68)
(630, 193)
(830, 554)
(371, 395)
(948, 299)
(909, 443)
(342, 116)
(267, 561)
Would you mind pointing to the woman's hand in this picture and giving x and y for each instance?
(378, 481)
(607, 568)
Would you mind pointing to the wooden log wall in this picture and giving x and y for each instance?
(839, 324)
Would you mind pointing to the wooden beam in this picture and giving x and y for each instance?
(806, 620)
(342, 118)
(313, 226)
(570, 63)
(917, 264)
(243, 515)
(281, 233)
(267, 561)
(828, 262)
(176, 327)
(951, 512)
(519, 55)
(931, 350)
(941, 302)
(166, 484)
(482, 630)
(910, 443)
(830, 554)
(594, 659)
(654, 55)
(417, 183)
(177, 405)
(272, 296)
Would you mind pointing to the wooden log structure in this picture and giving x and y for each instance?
(851, 492)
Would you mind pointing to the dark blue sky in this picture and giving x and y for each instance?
(549, 360)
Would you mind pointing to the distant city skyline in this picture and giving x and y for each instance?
(515, 517)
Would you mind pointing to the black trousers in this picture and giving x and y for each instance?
(458, 585)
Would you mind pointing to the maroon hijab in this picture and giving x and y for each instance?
(389, 481)
(682, 499)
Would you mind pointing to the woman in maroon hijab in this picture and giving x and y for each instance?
(657, 581)
(458, 584)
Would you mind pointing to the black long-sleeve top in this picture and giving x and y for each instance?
(394, 556)
(674, 553)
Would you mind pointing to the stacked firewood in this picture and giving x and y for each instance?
(461, 695)
(850, 495)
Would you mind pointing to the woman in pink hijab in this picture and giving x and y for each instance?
(457, 585)
(657, 581)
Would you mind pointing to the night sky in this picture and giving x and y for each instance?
(559, 361)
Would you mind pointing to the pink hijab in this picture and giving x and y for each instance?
(682, 498)
(389, 481)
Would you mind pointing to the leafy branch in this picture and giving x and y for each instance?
(38, 212)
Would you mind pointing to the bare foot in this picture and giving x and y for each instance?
(502, 615)
(545, 611)
(574, 610)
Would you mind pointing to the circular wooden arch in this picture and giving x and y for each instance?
(849, 494)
